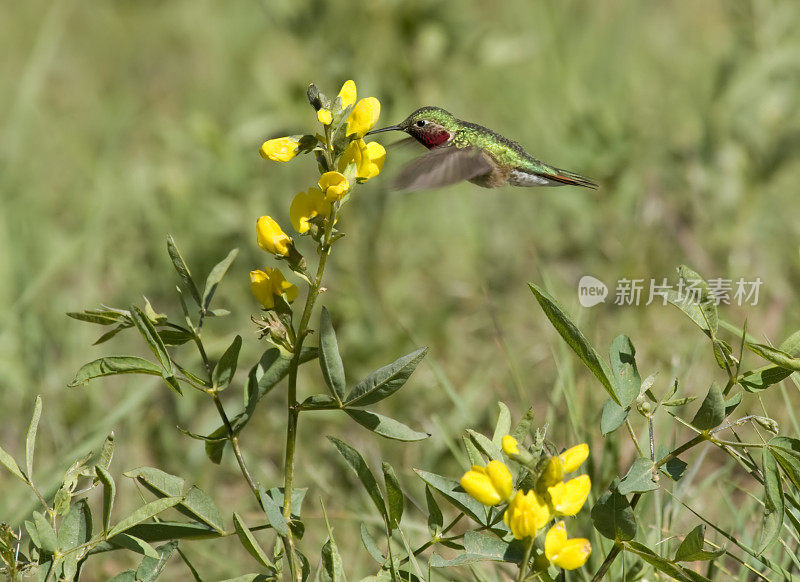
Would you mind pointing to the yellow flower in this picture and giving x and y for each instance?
(490, 485)
(307, 205)
(568, 554)
(510, 446)
(553, 472)
(334, 185)
(265, 285)
(368, 158)
(568, 497)
(281, 149)
(348, 94)
(363, 117)
(271, 238)
(526, 514)
(324, 116)
(574, 457)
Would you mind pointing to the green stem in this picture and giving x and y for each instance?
(523, 567)
(293, 406)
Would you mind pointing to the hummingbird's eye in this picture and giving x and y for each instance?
(421, 123)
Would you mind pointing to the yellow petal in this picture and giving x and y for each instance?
(334, 185)
(280, 286)
(477, 483)
(501, 479)
(574, 457)
(348, 94)
(526, 514)
(375, 156)
(261, 287)
(568, 497)
(271, 238)
(568, 554)
(307, 205)
(324, 116)
(510, 446)
(281, 149)
(363, 117)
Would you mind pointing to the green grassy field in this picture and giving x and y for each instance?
(124, 121)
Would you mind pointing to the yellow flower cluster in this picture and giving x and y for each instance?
(528, 512)
(344, 158)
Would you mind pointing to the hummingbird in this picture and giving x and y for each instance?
(460, 150)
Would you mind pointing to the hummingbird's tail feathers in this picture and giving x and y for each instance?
(569, 178)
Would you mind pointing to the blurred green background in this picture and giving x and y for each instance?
(124, 121)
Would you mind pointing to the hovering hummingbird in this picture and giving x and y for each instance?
(460, 150)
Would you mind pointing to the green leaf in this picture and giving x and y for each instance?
(109, 491)
(97, 316)
(76, 527)
(575, 339)
(112, 366)
(145, 327)
(359, 465)
(395, 500)
(330, 361)
(763, 378)
(332, 566)
(215, 276)
(613, 416)
(674, 468)
(126, 576)
(30, 441)
(152, 566)
(485, 445)
(776, 356)
(249, 542)
(772, 518)
(272, 367)
(274, 513)
(371, 546)
(503, 425)
(523, 428)
(696, 300)
(226, 367)
(385, 426)
(47, 535)
(712, 410)
(623, 366)
(172, 530)
(453, 492)
(147, 511)
(481, 547)
(613, 516)
(11, 464)
(691, 548)
(175, 337)
(435, 517)
(786, 451)
(182, 269)
(134, 544)
(639, 479)
(156, 481)
(200, 506)
(385, 381)
(662, 564)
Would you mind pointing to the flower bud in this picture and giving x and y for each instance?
(271, 238)
(281, 149)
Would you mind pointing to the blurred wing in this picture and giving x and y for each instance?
(442, 167)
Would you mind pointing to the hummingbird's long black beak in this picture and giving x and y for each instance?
(390, 128)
